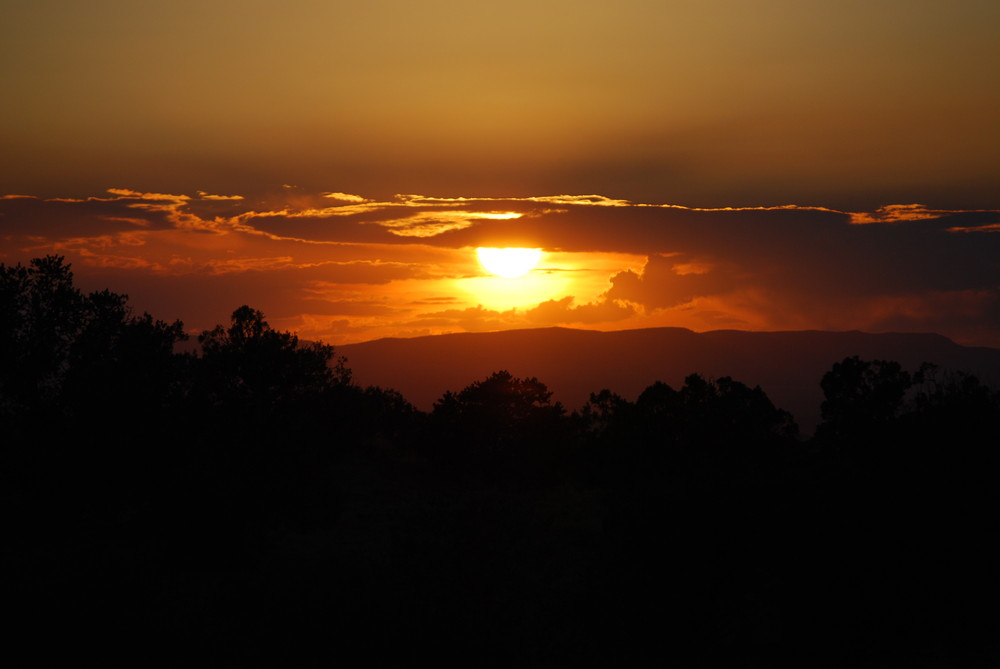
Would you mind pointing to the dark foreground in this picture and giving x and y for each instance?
(250, 506)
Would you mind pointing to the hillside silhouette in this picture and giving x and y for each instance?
(251, 504)
(574, 363)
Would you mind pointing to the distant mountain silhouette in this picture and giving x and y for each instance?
(575, 363)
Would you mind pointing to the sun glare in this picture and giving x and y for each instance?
(509, 263)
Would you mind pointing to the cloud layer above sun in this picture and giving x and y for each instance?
(343, 268)
(845, 103)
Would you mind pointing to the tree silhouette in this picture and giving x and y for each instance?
(721, 423)
(40, 316)
(860, 396)
(123, 360)
(501, 400)
(499, 422)
(252, 493)
(267, 415)
(251, 364)
(64, 352)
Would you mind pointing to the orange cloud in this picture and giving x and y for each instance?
(665, 282)
(436, 223)
(346, 197)
(563, 311)
(359, 267)
(895, 213)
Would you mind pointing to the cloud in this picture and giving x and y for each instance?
(989, 227)
(221, 198)
(555, 312)
(346, 197)
(125, 193)
(470, 319)
(594, 200)
(561, 311)
(895, 213)
(359, 307)
(667, 281)
(432, 224)
(385, 266)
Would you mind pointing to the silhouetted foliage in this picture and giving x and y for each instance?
(40, 316)
(251, 363)
(720, 424)
(498, 423)
(862, 395)
(249, 504)
(66, 353)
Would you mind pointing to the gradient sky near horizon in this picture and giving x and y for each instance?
(199, 156)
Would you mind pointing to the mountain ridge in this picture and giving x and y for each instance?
(573, 363)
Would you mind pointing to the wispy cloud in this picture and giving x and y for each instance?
(384, 267)
(432, 224)
(345, 197)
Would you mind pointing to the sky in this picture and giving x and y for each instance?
(716, 164)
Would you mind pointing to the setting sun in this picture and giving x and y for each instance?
(441, 315)
(509, 263)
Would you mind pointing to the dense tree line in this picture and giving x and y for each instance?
(248, 504)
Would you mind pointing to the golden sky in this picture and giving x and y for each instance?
(343, 268)
(202, 155)
(845, 103)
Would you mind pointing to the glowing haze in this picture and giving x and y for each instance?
(342, 268)
(509, 263)
(199, 156)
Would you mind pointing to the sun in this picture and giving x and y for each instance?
(509, 263)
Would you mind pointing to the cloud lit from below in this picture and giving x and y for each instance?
(341, 271)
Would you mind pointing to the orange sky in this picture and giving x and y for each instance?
(343, 268)
(199, 156)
